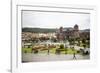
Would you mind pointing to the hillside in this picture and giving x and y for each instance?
(38, 30)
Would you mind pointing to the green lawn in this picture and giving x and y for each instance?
(70, 51)
(27, 50)
(52, 50)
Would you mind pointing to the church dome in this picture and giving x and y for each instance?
(76, 26)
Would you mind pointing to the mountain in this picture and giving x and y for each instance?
(38, 30)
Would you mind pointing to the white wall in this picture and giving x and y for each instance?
(5, 34)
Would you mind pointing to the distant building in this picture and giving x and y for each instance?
(85, 34)
(59, 34)
(67, 33)
(29, 36)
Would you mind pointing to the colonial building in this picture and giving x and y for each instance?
(85, 34)
(59, 34)
(29, 36)
(66, 33)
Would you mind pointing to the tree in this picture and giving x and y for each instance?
(83, 41)
(78, 40)
(84, 46)
(71, 40)
(61, 46)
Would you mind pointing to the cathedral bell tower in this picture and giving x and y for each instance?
(76, 31)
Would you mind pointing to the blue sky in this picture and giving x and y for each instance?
(54, 19)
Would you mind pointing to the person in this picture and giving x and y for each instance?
(48, 46)
(48, 51)
(74, 55)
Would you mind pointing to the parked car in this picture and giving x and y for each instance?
(85, 51)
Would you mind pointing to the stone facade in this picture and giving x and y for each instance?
(75, 32)
(66, 33)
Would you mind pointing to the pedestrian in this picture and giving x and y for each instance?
(48, 46)
(48, 51)
(74, 55)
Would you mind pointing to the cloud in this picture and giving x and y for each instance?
(54, 20)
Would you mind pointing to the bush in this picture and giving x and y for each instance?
(61, 46)
(57, 51)
(84, 46)
(78, 51)
(35, 51)
(25, 51)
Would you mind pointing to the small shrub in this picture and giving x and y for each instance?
(61, 46)
(78, 51)
(25, 51)
(35, 51)
(57, 51)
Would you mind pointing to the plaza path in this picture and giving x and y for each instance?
(29, 57)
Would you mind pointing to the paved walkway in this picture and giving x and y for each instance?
(28, 57)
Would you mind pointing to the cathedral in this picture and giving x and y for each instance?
(66, 33)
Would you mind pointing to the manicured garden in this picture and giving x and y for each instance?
(51, 51)
(58, 49)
